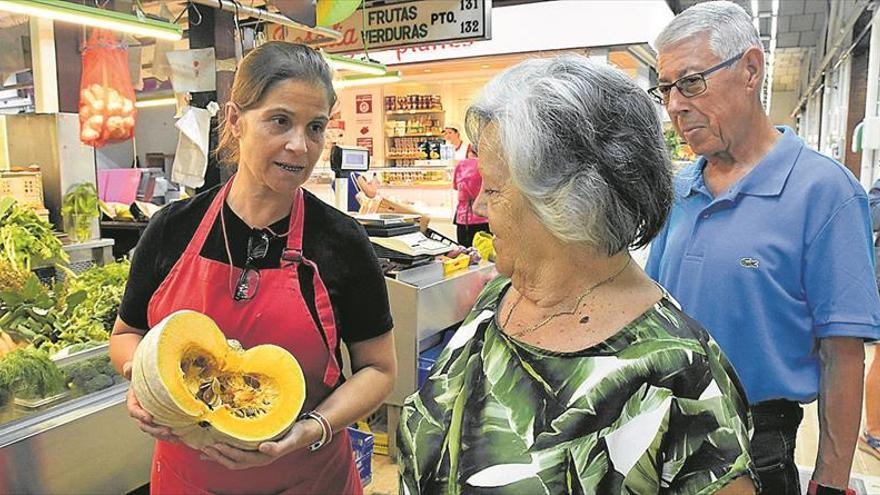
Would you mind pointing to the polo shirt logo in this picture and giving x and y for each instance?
(749, 263)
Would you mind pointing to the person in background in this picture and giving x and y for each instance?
(453, 136)
(574, 372)
(870, 439)
(270, 263)
(358, 183)
(768, 245)
(467, 181)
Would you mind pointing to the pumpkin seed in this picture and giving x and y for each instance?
(251, 381)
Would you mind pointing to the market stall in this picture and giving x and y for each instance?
(60, 400)
(401, 121)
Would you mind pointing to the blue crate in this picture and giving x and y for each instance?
(362, 445)
(429, 356)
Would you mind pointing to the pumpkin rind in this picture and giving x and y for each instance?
(208, 390)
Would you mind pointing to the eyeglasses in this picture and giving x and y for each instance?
(690, 85)
(249, 281)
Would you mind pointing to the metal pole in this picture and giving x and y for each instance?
(325, 35)
(871, 103)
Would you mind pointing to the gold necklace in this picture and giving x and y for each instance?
(572, 311)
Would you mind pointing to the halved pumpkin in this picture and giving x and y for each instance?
(208, 389)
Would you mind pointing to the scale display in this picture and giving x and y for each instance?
(349, 159)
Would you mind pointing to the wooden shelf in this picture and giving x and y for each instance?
(408, 112)
(411, 157)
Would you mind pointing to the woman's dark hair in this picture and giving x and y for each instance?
(259, 70)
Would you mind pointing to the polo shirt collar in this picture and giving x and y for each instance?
(766, 179)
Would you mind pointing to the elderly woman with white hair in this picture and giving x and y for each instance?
(575, 372)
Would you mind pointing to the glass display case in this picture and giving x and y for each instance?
(64, 424)
(44, 441)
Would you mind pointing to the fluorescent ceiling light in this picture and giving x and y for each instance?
(362, 66)
(59, 10)
(155, 102)
(347, 82)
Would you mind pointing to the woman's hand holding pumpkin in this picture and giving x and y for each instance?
(145, 420)
(302, 434)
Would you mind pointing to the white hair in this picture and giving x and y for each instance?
(583, 143)
(728, 27)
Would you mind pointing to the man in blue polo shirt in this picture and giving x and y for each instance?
(768, 245)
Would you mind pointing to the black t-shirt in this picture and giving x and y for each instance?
(335, 242)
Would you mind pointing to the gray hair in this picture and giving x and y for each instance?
(728, 26)
(583, 143)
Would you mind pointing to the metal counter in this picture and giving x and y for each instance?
(88, 445)
(419, 313)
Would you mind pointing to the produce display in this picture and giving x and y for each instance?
(25, 238)
(11, 279)
(29, 374)
(103, 287)
(208, 390)
(38, 321)
(91, 375)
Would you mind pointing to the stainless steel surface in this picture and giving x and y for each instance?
(422, 276)
(89, 445)
(97, 251)
(62, 360)
(420, 312)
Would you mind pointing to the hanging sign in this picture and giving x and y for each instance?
(404, 24)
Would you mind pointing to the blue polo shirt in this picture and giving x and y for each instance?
(782, 259)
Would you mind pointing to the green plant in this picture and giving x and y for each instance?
(79, 207)
(673, 145)
(25, 238)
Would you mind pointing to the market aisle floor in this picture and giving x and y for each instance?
(868, 467)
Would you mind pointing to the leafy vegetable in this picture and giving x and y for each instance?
(41, 316)
(79, 207)
(80, 310)
(25, 238)
(103, 286)
(11, 277)
(29, 374)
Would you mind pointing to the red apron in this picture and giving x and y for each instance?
(278, 315)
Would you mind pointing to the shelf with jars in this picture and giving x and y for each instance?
(439, 177)
(413, 129)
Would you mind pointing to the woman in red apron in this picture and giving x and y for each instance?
(273, 130)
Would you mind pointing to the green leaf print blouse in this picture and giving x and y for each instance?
(655, 408)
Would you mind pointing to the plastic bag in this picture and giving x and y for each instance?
(483, 242)
(106, 98)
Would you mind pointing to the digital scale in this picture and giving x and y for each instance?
(400, 233)
(343, 161)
